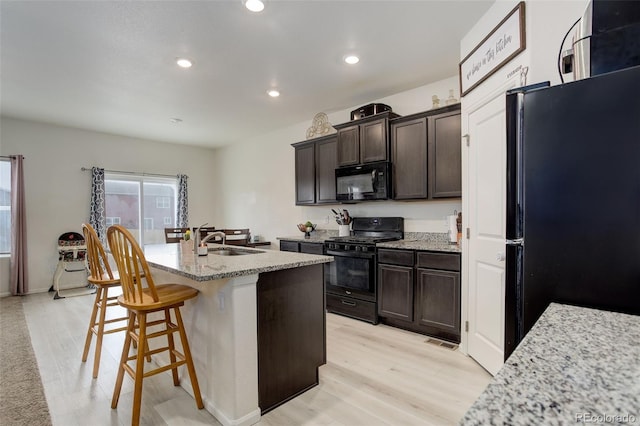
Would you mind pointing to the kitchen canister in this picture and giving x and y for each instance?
(344, 231)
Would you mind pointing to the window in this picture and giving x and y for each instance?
(167, 220)
(112, 221)
(140, 204)
(5, 206)
(163, 202)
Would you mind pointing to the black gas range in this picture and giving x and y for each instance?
(350, 280)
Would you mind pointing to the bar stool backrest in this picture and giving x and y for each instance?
(99, 268)
(132, 265)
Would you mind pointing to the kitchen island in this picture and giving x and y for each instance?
(257, 328)
(576, 365)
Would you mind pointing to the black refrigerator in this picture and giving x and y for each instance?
(573, 198)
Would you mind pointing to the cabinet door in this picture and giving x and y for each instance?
(409, 156)
(438, 300)
(373, 141)
(445, 158)
(395, 292)
(305, 174)
(349, 146)
(326, 163)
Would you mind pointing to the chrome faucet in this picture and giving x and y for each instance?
(196, 242)
(216, 234)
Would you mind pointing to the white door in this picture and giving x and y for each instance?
(486, 222)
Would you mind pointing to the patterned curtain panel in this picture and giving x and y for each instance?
(182, 221)
(97, 216)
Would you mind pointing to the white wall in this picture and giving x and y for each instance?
(546, 24)
(258, 180)
(58, 192)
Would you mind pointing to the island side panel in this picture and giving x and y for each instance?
(291, 333)
(221, 327)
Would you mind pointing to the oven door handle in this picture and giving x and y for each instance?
(351, 254)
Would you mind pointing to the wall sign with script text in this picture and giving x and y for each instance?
(502, 44)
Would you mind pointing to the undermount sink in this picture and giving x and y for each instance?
(226, 251)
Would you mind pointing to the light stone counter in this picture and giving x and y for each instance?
(318, 238)
(421, 245)
(171, 258)
(222, 321)
(576, 365)
(433, 241)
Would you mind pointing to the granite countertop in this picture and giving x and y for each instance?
(170, 257)
(321, 238)
(432, 241)
(576, 365)
(421, 245)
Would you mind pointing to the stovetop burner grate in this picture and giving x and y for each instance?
(372, 230)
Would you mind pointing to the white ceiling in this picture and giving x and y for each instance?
(110, 65)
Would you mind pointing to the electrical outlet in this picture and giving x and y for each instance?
(326, 220)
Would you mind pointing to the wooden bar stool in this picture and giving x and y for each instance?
(141, 301)
(101, 276)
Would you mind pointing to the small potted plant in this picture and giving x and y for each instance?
(186, 244)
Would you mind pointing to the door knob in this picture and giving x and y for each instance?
(500, 257)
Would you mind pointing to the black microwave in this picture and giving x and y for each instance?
(364, 182)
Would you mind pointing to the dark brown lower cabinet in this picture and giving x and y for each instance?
(421, 295)
(395, 292)
(438, 302)
(302, 246)
(291, 333)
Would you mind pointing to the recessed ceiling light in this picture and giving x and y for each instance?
(351, 59)
(184, 63)
(273, 93)
(254, 5)
(175, 120)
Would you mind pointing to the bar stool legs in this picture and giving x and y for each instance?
(141, 335)
(101, 303)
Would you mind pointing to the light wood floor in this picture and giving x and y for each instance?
(375, 375)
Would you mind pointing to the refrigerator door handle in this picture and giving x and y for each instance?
(515, 242)
(515, 117)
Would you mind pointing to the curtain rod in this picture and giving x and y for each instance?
(88, 169)
(10, 156)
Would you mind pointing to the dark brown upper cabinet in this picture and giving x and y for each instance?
(426, 155)
(315, 164)
(409, 154)
(305, 174)
(326, 163)
(365, 140)
(445, 155)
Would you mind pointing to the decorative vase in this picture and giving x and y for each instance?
(436, 101)
(451, 99)
(186, 246)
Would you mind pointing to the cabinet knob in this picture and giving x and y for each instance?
(500, 257)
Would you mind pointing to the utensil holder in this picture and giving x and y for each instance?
(344, 231)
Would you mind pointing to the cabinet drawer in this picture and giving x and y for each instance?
(312, 248)
(395, 257)
(289, 246)
(432, 260)
(352, 307)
